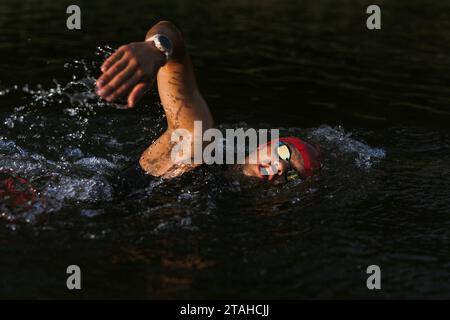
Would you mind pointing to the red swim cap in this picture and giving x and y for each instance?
(16, 192)
(310, 154)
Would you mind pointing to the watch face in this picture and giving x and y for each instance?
(165, 42)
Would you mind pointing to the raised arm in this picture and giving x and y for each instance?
(131, 71)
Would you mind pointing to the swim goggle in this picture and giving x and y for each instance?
(285, 153)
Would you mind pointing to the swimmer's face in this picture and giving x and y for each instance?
(269, 166)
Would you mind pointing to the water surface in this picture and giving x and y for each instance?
(377, 103)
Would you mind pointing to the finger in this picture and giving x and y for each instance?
(137, 93)
(112, 59)
(112, 72)
(124, 88)
(118, 80)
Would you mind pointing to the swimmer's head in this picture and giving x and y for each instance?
(283, 159)
(16, 193)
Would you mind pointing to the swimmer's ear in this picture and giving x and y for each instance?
(137, 93)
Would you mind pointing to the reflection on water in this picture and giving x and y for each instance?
(375, 103)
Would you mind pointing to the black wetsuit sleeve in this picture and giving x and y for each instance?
(130, 179)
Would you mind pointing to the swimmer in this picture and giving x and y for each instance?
(17, 195)
(130, 72)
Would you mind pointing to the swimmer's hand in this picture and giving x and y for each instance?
(130, 71)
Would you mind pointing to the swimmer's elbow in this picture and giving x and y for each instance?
(205, 114)
(169, 25)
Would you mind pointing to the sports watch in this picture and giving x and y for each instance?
(163, 44)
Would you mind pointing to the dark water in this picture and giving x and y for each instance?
(377, 103)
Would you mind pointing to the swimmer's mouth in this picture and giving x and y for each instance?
(265, 172)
